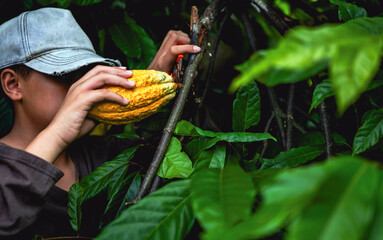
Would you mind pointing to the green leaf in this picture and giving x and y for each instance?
(218, 157)
(118, 186)
(86, 2)
(95, 182)
(283, 199)
(125, 38)
(164, 214)
(196, 146)
(343, 210)
(176, 164)
(74, 205)
(246, 107)
(131, 193)
(148, 48)
(376, 231)
(322, 91)
(222, 197)
(185, 128)
(348, 11)
(370, 132)
(352, 52)
(293, 158)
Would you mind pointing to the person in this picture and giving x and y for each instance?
(52, 75)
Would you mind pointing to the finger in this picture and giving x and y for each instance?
(103, 79)
(120, 71)
(100, 95)
(174, 38)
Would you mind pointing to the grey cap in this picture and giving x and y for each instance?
(48, 40)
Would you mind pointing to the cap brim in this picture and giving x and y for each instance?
(62, 61)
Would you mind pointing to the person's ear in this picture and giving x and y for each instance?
(10, 83)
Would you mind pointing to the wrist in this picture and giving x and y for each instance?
(47, 145)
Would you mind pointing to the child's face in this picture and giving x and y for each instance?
(42, 97)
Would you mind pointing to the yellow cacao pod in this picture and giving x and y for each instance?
(153, 90)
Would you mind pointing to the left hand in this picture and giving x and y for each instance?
(174, 43)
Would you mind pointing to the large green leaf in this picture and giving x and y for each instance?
(95, 182)
(185, 128)
(370, 132)
(283, 199)
(348, 11)
(164, 214)
(344, 205)
(222, 197)
(148, 48)
(176, 164)
(246, 107)
(352, 52)
(330, 200)
(376, 230)
(294, 157)
(125, 38)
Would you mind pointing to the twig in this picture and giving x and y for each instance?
(289, 117)
(326, 129)
(265, 142)
(175, 115)
(278, 114)
(213, 52)
(272, 96)
(271, 15)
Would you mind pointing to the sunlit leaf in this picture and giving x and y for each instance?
(164, 214)
(176, 164)
(352, 51)
(246, 107)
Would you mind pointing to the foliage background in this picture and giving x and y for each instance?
(227, 173)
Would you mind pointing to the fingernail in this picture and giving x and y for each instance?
(196, 48)
(126, 101)
(122, 67)
(130, 72)
(131, 83)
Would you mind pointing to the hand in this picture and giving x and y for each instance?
(175, 43)
(70, 121)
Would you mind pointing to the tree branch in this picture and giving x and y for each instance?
(194, 60)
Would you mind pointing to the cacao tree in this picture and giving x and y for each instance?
(277, 135)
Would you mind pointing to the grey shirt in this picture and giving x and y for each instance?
(31, 204)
